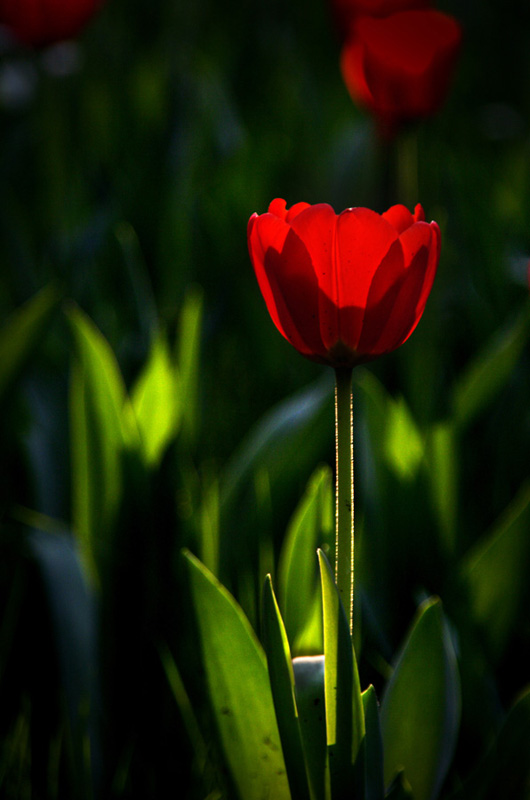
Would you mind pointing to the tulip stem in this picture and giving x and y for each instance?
(407, 168)
(344, 492)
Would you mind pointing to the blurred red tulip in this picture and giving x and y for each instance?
(399, 67)
(43, 22)
(346, 288)
(347, 11)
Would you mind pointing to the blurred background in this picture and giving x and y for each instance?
(130, 161)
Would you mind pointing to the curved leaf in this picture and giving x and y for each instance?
(239, 689)
(420, 709)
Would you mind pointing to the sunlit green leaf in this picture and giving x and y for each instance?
(420, 709)
(496, 573)
(394, 434)
(282, 685)
(300, 599)
(99, 432)
(490, 370)
(21, 332)
(155, 399)
(239, 689)
(344, 707)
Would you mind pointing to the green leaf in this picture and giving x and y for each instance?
(420, 710)
(22, 332)
(155, 400)
(373, 747)
(99, 433)
(282, 686)
(344, 707)
(309, 680)
(394, 435)
(188, 360)
(496, 573)
(310, 527)
(490, 370)
(239, 689)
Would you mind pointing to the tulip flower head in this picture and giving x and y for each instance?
(399, 67)
(43, 22)
(344, 289)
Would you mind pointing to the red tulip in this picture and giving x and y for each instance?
(400, 67)
(43, 22)
(346, 288)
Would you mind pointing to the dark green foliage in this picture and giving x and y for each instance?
(149, 405)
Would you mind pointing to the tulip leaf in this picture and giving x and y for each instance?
(394, 434)
(373, 747)
(496, 572)
(239, 689)
(311, 703)
(490, 370)
(282, 685)
(99, 433)
(344, 707)
(420, 709)
(310, 527)
(156, 403)
(21, 332)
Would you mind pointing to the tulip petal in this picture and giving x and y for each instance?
(382, 296)
(287, 281)
(400, 217)
(420, 252)
(363, 240)
(316, 227)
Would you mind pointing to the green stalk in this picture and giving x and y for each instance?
(344, 493)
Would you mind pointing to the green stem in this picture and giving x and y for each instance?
(344, 494)
(407, 167)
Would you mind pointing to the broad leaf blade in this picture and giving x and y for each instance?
(344, 708)
(282, 686)
(420, 710)
(98, 436)
(239, 689)
(310, 527)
